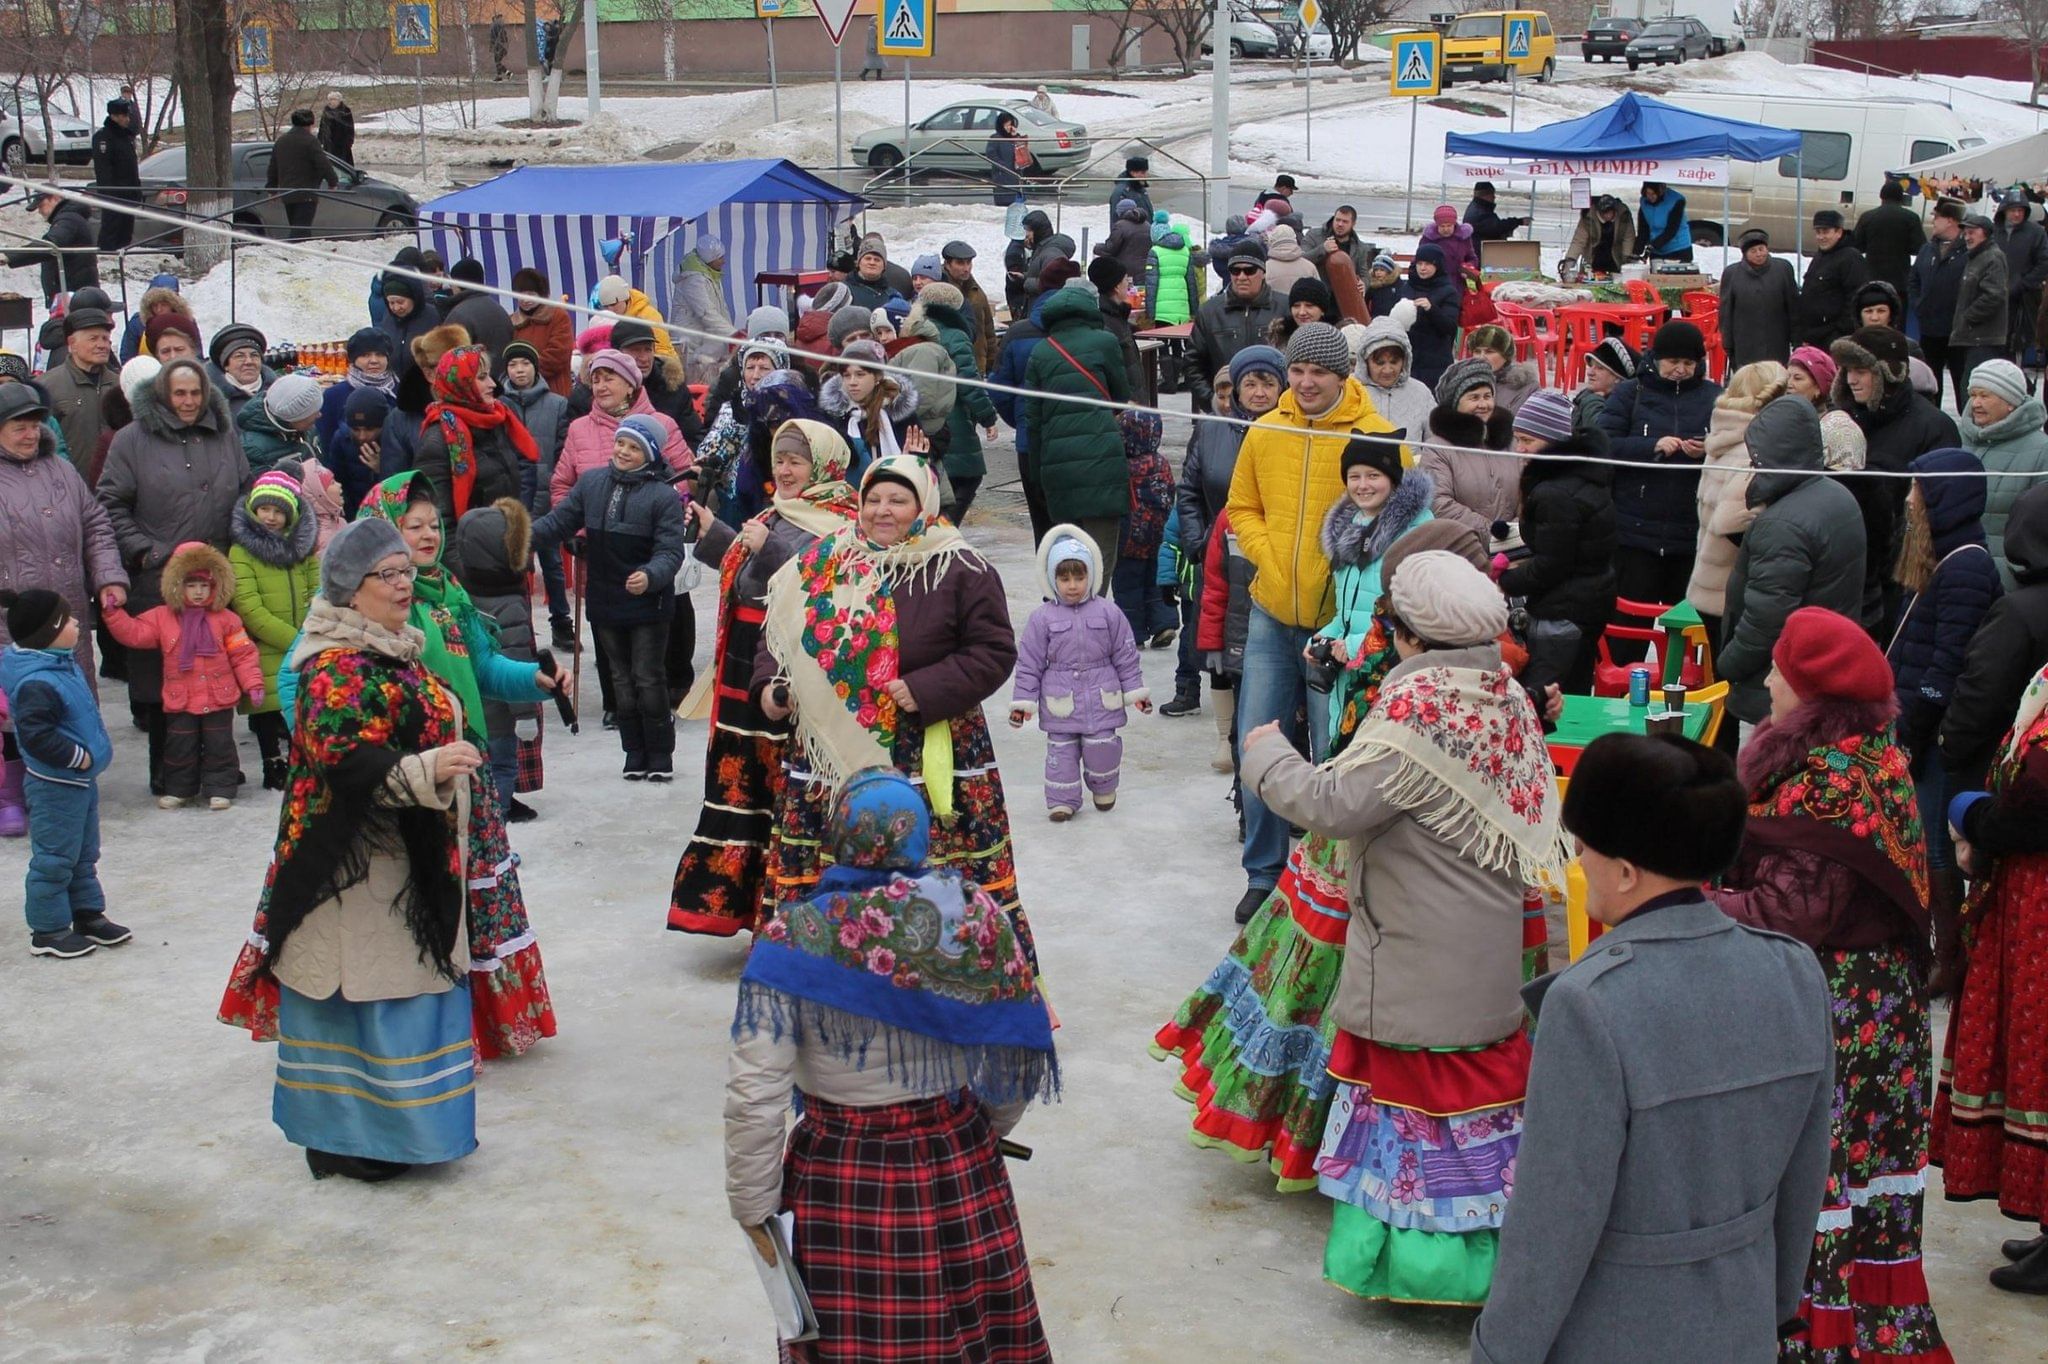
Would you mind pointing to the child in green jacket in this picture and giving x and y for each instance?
(277, 575)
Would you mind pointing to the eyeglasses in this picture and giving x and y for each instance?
(395, 577)
(1246, 270)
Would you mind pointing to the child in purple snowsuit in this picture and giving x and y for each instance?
(1077, 668)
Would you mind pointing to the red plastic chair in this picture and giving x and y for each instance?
(1578, 334)
(1717, 353)
(1520, 324)
(1699, 303)
(1611, 678)
(1642, 291)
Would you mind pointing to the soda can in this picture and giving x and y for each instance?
(1639, 685)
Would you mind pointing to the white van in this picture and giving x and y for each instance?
(1850, 145)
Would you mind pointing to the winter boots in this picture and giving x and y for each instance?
(1187, 699)
(1224, 702)
(13, 805)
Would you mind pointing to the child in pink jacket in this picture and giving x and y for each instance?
(209, 665)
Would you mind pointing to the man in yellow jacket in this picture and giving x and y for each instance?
(1288, 473)
(615, 295)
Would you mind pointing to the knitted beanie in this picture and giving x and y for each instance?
(1373, 452)
(1461, 378)
(1546, 414)
(1818, 364)
(1679, 341)
(1614, 356)
(1823, 654)
(643, 430)
(767, 320)
(1258, 359)
(2001, 379)
(368, 341)
(278, 489)
(1107, 274)
(155, 328)
(1447, 602)
(845, 324)
(293, 399)
(618, 362)
(832, 297)
(1320, 344)
(138, 376)
(34, 616)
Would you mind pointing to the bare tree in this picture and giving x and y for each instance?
(2029, 20)
(1183, 23)
(1349, 21)
(142, 59)
(664, 11)
(205, 74)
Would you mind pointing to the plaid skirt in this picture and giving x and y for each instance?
(907, 1236)
(530, 775)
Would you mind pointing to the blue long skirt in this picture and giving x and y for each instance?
(388, 1079)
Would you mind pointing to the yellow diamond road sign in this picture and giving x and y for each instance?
(1311, 14)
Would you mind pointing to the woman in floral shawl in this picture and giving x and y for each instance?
(719, 878)
(1254, 1041)
(1833, 855)
(899, 1001)
(473, 448)
(1449, 808)
(509, 986)
(1988, 1125)
(884, 639)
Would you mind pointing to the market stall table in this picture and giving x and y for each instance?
(1155, 344)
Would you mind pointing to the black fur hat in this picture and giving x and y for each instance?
(1669, 805)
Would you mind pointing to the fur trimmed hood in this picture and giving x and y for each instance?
(494, 546)
(1349, 544)
(834, 402)
(193, 558)
(267, 546)
(1449, 426)
(155, 417)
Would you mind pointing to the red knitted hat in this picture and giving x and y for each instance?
(1825, 655)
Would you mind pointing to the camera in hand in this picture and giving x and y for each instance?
(1323, 667)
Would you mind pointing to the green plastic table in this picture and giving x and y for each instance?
(1586, 718)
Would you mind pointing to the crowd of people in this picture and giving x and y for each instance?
(1392, 550)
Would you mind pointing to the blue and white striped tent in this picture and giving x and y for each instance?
(771, 215)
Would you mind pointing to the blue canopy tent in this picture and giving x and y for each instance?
(770, 214)
(1636, 127)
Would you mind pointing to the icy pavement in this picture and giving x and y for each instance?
(150, 1211)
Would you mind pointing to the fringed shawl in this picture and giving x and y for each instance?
(1473, 768)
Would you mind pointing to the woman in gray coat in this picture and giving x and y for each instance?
(174, 474)
(1671, 1170)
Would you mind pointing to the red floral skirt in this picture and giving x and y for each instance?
(1991, 1108)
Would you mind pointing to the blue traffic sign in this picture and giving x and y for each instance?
(1417, 67)
(1520, 38)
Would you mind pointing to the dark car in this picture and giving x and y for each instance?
(1670, 40)
(1608, 38)
(359, 206)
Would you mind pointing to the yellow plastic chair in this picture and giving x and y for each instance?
(1715, 696)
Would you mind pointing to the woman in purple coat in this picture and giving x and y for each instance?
(883, 639)
(1077, 668)
(52, 535)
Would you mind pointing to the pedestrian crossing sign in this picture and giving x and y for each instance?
(1418, 64)
(768, 9)
(415, 28)
(906, 28)
(1519, 37)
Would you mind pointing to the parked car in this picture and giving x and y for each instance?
(1287, 24)
(952, 139)
(1472, 47)
(21, 135)
(1725, 42)
(1250, 36)
(1670, 40)
(1608, 38)
(361, 205)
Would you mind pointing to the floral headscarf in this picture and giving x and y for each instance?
(827, 503)
(461, 409)
(831, 624)
(441, 608)
(885, 943)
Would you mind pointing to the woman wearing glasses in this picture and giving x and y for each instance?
(359, 940)
(510, 989)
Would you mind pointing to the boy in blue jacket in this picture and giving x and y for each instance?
(65, 748)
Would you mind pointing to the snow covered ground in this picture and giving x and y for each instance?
(150, 1211)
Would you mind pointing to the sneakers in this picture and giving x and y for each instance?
(636, 767)
(1107, 802)
(1163, 639)
(1187, 699)
(661, 775)
(275, 774)
(99, 930)
(1249, 905)
(170, 802)
(219, 803)
(1060, 814)
(519, 812)
(62, 943)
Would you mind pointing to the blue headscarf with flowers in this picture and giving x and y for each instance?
(888, 948)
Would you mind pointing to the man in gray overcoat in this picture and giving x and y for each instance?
(1675, 1147)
